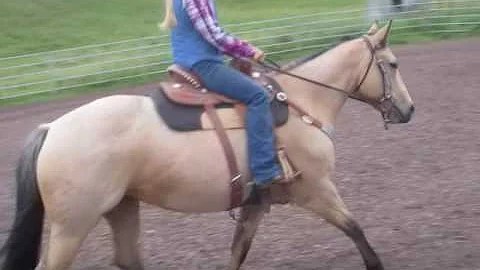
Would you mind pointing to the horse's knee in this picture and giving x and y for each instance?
(337, 214)
(325, 203)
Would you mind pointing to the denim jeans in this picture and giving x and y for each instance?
(228, 81)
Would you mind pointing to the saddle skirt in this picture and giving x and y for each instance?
(181, 101)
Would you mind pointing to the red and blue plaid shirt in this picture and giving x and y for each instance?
(204, 19)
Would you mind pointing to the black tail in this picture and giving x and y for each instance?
(22, 249)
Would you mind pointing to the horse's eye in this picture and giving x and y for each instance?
(394, 64)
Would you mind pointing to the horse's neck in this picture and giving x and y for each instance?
(338, 67)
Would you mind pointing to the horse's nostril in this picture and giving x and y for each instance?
(412, 109)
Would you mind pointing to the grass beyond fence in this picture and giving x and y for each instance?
(36, 26)
(284, 29)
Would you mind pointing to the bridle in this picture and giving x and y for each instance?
(385, 104)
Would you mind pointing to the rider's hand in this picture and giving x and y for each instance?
(259, 55)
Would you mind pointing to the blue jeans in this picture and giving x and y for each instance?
(228, 81)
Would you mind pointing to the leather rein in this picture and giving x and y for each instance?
(384, 104)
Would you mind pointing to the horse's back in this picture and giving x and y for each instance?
(98, 109)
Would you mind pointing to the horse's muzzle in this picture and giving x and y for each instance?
(397, 116)
(406, 118)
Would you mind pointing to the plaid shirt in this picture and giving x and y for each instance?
(204, 19)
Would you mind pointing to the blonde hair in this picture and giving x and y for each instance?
(169, 21)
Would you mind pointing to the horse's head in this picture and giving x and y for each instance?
(382, 85)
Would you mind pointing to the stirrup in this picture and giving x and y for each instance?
(289, 171)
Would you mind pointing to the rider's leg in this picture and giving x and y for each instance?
(227, 81)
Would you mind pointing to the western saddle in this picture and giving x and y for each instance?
(186, 88)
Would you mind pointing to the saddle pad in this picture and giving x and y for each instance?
(182, 117)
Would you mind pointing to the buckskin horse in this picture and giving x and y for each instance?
(103, 158)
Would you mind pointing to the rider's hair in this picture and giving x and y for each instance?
(169, 20)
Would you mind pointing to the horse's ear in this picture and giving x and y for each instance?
(373, 29)
(381, 36)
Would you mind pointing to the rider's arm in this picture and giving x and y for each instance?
(206, 23)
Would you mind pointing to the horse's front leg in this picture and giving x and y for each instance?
(247, 225)
(322, 198)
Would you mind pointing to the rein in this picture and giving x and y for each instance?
(385, 104)
(279, 70)
(275, 67)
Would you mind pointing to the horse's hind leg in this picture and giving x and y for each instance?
(124, 220)
(66, 235)
(326, 202)
(247, 225)
(74, 205)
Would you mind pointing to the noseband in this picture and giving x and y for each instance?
(384, 104)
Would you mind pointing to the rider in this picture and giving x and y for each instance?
(198, 43)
